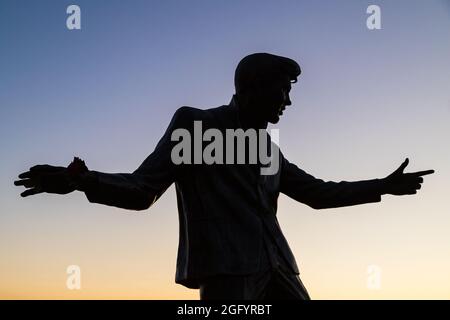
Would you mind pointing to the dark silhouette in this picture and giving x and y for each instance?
(231, 245)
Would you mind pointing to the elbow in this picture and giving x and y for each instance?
(320, 205)
(147, 202)
(135, 206)
(141, 208)
(315, 205)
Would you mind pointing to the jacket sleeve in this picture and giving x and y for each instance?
(318, 194)
(140, 189)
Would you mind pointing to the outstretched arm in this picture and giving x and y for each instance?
(134, 191)
(319, 194)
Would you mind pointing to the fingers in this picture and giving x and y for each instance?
(421, 173)
(29, 180)
(403, 165)
(28, 183)
(30, 192)
(413, 189)
(40, 167)
(35, 178)
(413, 185)
(407, 188)
(410, 189)
(18, 182)
(407, 183)
(32, 172)
(26, 174)
(411, 178)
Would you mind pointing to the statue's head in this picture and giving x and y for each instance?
(263, 82)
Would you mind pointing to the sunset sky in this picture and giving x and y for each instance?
(366, 100)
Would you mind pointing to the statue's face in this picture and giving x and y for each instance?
(271, 99)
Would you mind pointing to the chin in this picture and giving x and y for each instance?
(274, 119)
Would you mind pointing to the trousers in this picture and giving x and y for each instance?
(272, 284)
(274, 281)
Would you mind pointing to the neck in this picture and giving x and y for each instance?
(247, 115)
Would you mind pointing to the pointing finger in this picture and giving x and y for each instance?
(422, 173)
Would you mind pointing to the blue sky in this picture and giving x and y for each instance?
(365, 101)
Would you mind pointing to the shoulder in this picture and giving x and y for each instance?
(188, 113)
(185, 115)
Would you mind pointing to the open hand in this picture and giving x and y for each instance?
(45, 178)
(400, 183)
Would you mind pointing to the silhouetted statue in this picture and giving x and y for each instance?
(231, 245)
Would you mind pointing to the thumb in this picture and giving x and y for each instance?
(403, 165)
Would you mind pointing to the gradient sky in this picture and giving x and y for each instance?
(365, 101)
